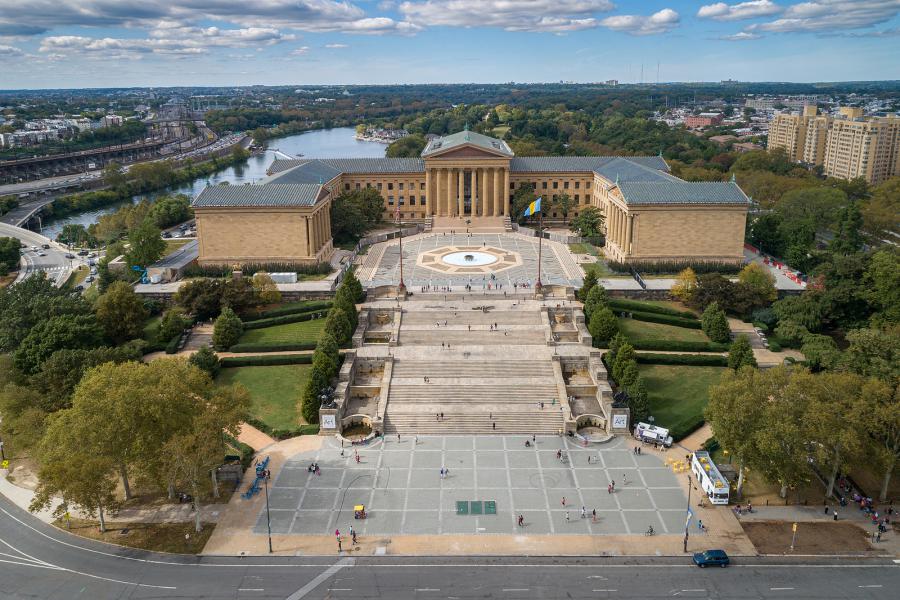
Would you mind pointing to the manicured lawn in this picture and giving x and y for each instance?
(173, 245)
(582, 248)
(604, 272)
(274, 391)
(151, 327)
(678, 394)
(642, 330)
(304, 331)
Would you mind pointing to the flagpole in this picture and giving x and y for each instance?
(401, 289)
(539, 285)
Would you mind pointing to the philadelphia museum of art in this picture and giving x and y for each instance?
(469, 179)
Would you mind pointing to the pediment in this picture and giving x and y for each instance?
(467, 151)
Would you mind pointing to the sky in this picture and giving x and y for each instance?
(125, 43)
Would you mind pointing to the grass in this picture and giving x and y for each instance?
(678, 394)
(305, 331)
(157, 537)
(500, 130)
(313, 277)
(151, 328)
(274, 391)
(604, 272)
(582, 248)
(7, 279)
(637, 331)
(174, 244)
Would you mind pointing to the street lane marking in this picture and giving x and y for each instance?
(516, 589)
(869, 586)
(428, 589)
(251, 590)
(605, 590)
(321, 577)
(779, 589)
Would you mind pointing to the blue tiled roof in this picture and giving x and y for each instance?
(376, 165)
(258, 195)
(461, 138)
(638, 168)
(682, 192)
(309, 171)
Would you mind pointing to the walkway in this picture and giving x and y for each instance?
(254, 438)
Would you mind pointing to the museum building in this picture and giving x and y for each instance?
(650, 215)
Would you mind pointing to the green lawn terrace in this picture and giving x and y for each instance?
(274, 391)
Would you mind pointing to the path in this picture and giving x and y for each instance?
(254, 438)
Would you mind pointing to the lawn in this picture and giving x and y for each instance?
(274, 391)
(304, 331)
(637, 331)
(179, 538)
(151, 328)
(174, 244)
(603, 271)
(678, 394)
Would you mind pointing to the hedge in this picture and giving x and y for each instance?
(676, 266)
(289, 310)
(272, 347)
(265, 361)
(245, 450)
(679, 433)
(250, 269)
(172, 346)
(284, 320)
(643, 307)
(283, 434)
(679, 346)
(694, 360)
(666, 320)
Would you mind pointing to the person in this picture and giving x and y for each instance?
(398, 437)
(339, 545)
(700, 524)
(650, 530)
(559, 455)
(521, 520)
(494, 426)
(357, 458)
(583, 512)
(533, 439)
(567, 516)
(563, 500)
(442, 472)
(594, 515)
(834, 515)
(749, 507)
(527, 443)
(353, 535)
(442, 416)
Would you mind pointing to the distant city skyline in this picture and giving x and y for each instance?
(127, 43)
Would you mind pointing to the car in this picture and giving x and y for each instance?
(82, 253)
(34, 248)
(69, 255)
(89, 279)
(45, 246)
(711, 558)
(166, 234)
(41, 253)
(92, 255)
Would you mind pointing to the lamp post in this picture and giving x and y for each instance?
(687, 520)
(401, 289)
(268, 519)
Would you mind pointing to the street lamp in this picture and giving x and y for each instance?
(268, 519)
(687, 519)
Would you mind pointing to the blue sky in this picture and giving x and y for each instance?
(104, 43)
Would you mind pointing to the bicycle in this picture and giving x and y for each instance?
(649, 531)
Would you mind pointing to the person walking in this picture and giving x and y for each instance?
(442, 472)
(594, 515)
(339, 545)
(494, 425)
(563, 500)
(583, 512)
(567, 516)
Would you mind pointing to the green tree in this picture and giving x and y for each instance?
(740, 354)
(597, 298)
(238, 295)
(874, 353)
(201, 297)
(309, 401)
(817, 205)
(348, 221)
(56, 333)
(685, 285)
(563, 203)
(881, 210)
(351, 281)
(23, 419)
(31, 302)
(338, 323)
(882, 286)
(629, 375)
(638, 400)
(883, 421)
(206, 360)
(760, 284)
(410, 146)
(9, 255)
(75, 234)
(805, 310)
(603, 325)
(715, 324)
(588, 223)
(170, 210)
(848, 237)
(265, 288)
(615, 343)
(121, 313)
(227, 330)
(172, 323)
(590, 280)
(146, 246)
(712, 287)
(114, 176)
(624, 356)
(522, 197)
(821, 352)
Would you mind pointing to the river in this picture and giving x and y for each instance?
(339, 142)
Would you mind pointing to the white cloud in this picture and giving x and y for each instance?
(10, 51)
(300, 51)
(511, 15)
(659, 22)
(741, 36)
(836, 15)
(736, 12)
(334, 46)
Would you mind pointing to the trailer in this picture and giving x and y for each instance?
(652, 434)
(714, 485)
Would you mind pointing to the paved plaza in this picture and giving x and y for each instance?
(558, 265)
(400, 484)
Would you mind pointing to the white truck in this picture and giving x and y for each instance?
(652, 434)
(711, 481)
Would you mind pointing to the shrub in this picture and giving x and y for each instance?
(172, 346)
(227, 330)
(666, 320)
(695, 360)
(265, 288)
(272, 347)
(675, 266)
(283, 434)
(643, 307)
(741, 353)
(596, 299)
(715, 323)
(338, 323)
(283, 320)
(206, 360)
(246, 452)
(681, 432)
(774, 346)
(322, 268)
(173, 322)
(266, 360)
(590, 280)
(603, 325)
(679, 346)
(305, 307)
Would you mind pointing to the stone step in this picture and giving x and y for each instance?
(473, 368)
(470, 394)
(457, 423)
(473, 338)
(471, 317)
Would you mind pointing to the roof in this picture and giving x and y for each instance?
(676, 191)
(322, 170)
(304, 194)
(635, 168)
(308, 171)
(462, 138)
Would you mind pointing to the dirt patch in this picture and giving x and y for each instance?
(159, 537)
(774, 537)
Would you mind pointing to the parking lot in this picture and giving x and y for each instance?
(400, 484)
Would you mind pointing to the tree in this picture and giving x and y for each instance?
(146, 246)
(715, 324)
(227, 330)
(590, 280)
(265, 288)
(597, 298)
(848, 238)
(760, 284)
(121, 313)
(603, 325)
(114, 176)
(624, 356)
(805, 310)
(170, 210)
(172, 323)
(522, 197)
(685, 285)
(31, 302)
(629, 375)
(882, 286)
(883, 418)
(75, 234)
(326, 356)
(348, 221)
(309, 401)
(23, 419)
(881, 210)
(821, 352)
(874, 353)
(819, 206)
(588, 223)
(712, 287)
(615, 343)
(563, 203)
(410, 146)
(206, 360)
(201, 298)
(338, 323)
(344, 299)
(9, 255)
(238, 295)
(740, 354)
(356, 289)
(638, 401)
(56, 333)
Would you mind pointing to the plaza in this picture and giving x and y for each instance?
(400, 484)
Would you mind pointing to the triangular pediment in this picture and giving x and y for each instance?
(467, 151)
(467, 142)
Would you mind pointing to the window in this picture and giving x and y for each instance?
(400, 201)
(357, 187)
(368, 186)
(565, 185)
(577, 198)
(577, 184)
(390, 200)
(412, 200)
(544, 185)
(347, 186)
(379, 187)
(555, 185)
(401, 185)
(422, 186)
(390, 186)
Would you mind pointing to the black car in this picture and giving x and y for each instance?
(711, 558)
(82, 253)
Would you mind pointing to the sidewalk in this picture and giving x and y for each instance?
(254, 438)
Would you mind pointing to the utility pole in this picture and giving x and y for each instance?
(268, 520)
(687, 520)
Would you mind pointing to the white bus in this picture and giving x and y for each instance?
(711, 481)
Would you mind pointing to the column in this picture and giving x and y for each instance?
(428, 192)
(628, 233)
(460, 193)
(505, 197)
(451, 192)
(473, 193)
(498, 181)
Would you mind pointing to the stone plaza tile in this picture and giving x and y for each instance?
(669, 499)
(633, 498)
(593, 477)
(450, 497)
(674, 520)
(639, 520)
(421, 522)
(423, 499)
(280, 520)
(285, 498)
(316, 499)
(383, 522)
(609, 522)
(387, 499)
(660, 478)
(428, 460)
(292, 478)
(548, 459)
(600, 499)
(502, 522)
(458, 459)
(526, 478)
(457, 442)
(489, 443)
(424, 478)
(490, 459)
(396, 459)
(359, 478)
(453, 523)
(558, 478)
(529, 500)
(459, 479)
(491, 478)
(537, 522)
(575, 524)
(522, 459)
(391, 478)
(618, 459)
(329, 478)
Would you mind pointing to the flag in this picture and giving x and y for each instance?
(533, 208)
(690, 514)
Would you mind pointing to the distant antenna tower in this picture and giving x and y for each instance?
(657, 72)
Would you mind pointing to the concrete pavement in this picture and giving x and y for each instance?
(55, 263)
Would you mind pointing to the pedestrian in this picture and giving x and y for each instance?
(437, 416)
(563, 500)
(826, 509)
(583, 512)
(337, 533)
(624, 479)
(567, 516)
(700, 524)
(357, 462)
(398, 438)
(613, 485)
(608, 488)
(521, 520)
(339, 545)
(639, 450)
(442, 472)
(533, 439)
(834, 515)
(594, 515)
(442, 416)
(416, 440)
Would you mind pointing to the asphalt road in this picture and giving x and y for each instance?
(54, 263)
(38, 561)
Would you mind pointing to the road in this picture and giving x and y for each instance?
(55, 263)
(39, 561)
